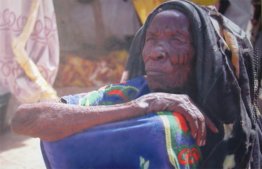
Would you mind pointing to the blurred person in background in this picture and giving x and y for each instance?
(42, 48)
(238, 11)
(256, 39)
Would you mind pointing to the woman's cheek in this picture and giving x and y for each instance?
(145, 51)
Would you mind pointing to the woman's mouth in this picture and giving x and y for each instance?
(154, 73)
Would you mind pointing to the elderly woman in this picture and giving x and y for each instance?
(184, 65)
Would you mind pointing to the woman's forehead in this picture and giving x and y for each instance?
(170, 18)
(171, 15)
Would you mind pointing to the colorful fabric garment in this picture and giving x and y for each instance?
(157, 140)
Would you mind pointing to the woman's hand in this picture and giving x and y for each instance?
(197, 121)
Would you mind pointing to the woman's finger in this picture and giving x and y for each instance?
(201, 132)
(191, 118)
(211, 125)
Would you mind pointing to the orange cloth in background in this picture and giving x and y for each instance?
(144, 7)
(83, 72)
(205, 2)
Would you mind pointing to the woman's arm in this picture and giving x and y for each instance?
(52, 121)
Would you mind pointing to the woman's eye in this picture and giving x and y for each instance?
(175, 38)
(149, 39)
(178, 39)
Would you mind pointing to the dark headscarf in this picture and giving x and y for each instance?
(224, 97)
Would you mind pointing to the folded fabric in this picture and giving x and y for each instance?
(157, 140)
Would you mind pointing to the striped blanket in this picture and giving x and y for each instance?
(157, 140)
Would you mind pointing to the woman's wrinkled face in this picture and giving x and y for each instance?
(168, 51)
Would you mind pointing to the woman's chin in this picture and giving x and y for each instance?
(164, 84)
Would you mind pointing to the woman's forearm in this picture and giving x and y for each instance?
(53, 121)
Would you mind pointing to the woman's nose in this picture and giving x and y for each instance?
(158, 54)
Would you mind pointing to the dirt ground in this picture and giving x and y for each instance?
(19, 152)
